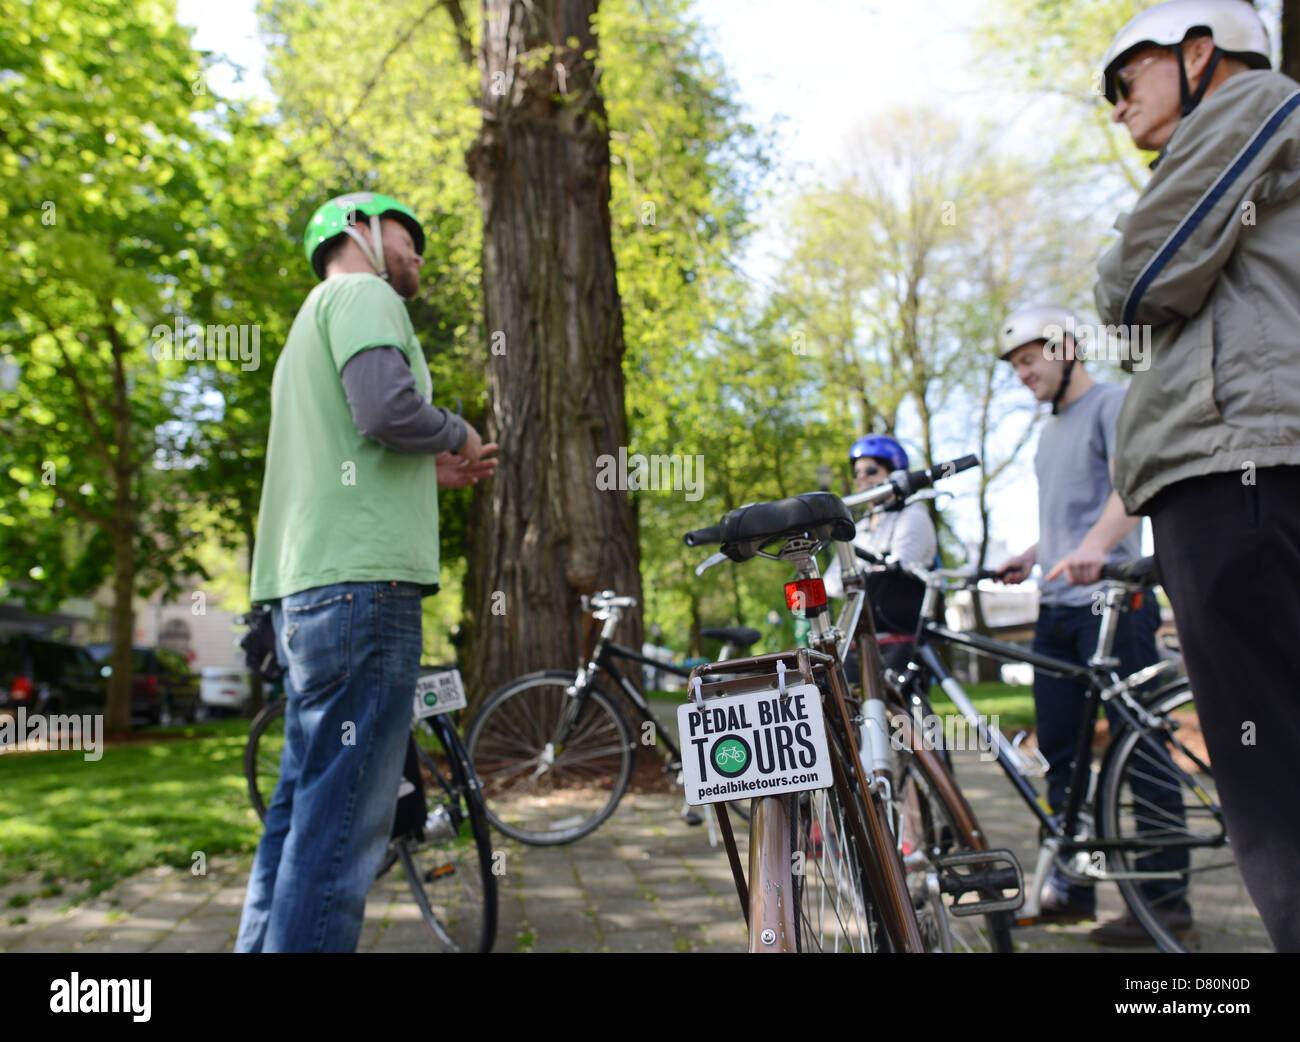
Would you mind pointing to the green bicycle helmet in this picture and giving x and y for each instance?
(338, 217)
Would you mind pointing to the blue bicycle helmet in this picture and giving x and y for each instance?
(879, 446)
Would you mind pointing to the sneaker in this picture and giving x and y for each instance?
(692, 816)
(1127, 932)
(1056, 907)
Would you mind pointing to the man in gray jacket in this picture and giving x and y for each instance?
(1209, 436)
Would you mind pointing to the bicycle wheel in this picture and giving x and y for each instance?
(262, 755)
(552, 768)
(834, 910)
(1158, 793)
(449, 868)
(927, 827)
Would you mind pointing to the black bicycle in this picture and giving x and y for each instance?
(554, 752)
(1148, 817)
(446, 857)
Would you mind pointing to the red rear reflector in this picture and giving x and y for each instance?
(805, 595)
(153, 685)
(21, 689)
(1137, 601)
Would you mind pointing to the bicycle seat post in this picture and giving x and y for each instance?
(1104, 657)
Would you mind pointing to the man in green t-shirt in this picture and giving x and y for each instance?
(347, 545)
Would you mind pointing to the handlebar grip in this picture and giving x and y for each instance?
(989, 573)
(703, 536)
(958, 465)
(910, 481)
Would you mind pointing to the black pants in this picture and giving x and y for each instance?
(1229, 558)
(1070, 633)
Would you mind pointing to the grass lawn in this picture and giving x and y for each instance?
(171, 793)
(145, 803)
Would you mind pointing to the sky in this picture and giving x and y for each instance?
(806, 69)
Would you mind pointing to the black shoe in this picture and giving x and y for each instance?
(1058, 909)
(692, 817)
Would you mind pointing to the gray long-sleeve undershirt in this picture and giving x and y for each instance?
(380, 389)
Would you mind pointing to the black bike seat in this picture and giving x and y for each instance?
(817, 515)
(1141, 572)
(741, 636)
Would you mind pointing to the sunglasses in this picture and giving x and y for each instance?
(1128, 75)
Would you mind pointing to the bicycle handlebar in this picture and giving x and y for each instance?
(702, 536)
(902, 483)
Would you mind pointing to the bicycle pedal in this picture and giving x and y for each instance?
(986, 874)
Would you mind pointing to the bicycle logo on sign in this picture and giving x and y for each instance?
(731, 755)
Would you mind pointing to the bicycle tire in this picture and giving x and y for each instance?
(929, 826)
(262, 755)
(571, 789)
(449, 869)
(833, 906)
(1224, 916)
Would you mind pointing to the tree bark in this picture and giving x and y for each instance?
(117, 712)
(1291, 38)
(542, 533)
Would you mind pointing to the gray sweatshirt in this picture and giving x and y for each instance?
(380, 389)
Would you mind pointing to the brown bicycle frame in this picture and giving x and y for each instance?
(881, 867)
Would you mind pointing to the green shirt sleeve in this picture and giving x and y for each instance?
(364, 313)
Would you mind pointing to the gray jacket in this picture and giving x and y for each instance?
(1210, 261)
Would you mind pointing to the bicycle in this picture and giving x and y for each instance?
(1146, 817)
(555, 752)
(447, 857)
(828, 864)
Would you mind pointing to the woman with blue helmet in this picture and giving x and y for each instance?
(905, 532)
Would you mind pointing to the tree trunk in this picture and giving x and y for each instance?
(542, 533)
(117, 722)
(1291, 38)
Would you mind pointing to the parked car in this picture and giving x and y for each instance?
(226, 688)
(47, 676)
(163, 689)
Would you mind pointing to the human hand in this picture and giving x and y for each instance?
(472, 449)
(1082, 566)
(457, 471)
(1015, 569)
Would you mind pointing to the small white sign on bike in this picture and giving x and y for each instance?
(753, 744)
(439, 693)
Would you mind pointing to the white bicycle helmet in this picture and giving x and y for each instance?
(1234, 26)
(1034, 323)
(1040, 322)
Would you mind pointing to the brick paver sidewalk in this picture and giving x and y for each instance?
(643, 882)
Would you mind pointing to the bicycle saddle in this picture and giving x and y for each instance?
(818, 515)
(741, 636)
(1141, 572)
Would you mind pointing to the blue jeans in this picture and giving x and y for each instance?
(352, 653)
(1070, 633)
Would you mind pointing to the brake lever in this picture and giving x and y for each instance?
(709, 562)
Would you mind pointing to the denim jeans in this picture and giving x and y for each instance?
(1070, 633)
(352, 653)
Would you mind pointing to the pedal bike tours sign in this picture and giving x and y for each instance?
(755, 744)
(439, 693)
